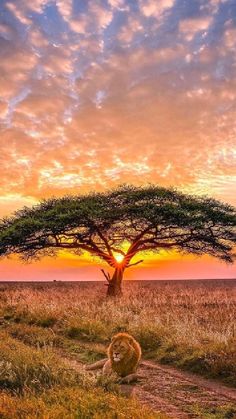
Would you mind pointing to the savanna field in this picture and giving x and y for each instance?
(44, 327)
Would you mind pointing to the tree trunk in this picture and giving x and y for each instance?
(114, 287)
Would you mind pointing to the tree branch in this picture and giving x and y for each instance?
(114, 249)
(107, 275)
(136, 263)
(104, 239)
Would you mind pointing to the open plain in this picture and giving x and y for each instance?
(186, 329)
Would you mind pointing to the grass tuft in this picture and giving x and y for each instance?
(23, 368)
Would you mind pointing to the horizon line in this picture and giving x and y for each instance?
(125, 280)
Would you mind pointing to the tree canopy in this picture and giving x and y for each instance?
(148, 218)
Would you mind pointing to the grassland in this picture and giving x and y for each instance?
(189, 325)
(36, 383)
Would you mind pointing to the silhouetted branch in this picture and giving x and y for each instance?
(136, 263)
(107, 275)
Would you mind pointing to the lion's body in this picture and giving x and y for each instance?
(124, 354)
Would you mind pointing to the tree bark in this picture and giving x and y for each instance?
(114, 288)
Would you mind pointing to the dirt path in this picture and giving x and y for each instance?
(176, 393)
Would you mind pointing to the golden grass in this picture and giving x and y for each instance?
(24, 368)
(191, 325)
(37, 383)
(71, 403)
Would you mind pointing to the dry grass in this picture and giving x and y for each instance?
(191, 325)
(37, 383)
(72, 403)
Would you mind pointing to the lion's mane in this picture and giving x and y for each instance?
(131, 354)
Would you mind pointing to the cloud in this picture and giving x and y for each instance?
(36, 6)
(93, 96)
(65, 8)
(37, 39)
(189, 27)
(230, 38)
(42, 106)
(14, 79)
(154, 8)
(100, 15)
(3, 109)
(57, 61)
(98, 93)
(18, 13)
(130, 29)
(14, 201)
(6, 31)
(80, 24)
(117, 4)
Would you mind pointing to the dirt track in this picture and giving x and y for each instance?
(176, 393)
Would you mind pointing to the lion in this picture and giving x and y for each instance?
(124, 354)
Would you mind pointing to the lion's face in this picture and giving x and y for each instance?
(119, 349)
(124, 354)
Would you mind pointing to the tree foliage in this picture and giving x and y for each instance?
(148, 218)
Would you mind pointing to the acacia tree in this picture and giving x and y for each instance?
(147, 218)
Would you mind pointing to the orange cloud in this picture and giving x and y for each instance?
(94, 94)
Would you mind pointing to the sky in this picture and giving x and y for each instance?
(99, 93)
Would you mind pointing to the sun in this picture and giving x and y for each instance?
(119, 257)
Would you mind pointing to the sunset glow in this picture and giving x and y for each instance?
(94, 94)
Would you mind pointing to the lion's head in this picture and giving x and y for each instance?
(124, 354)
